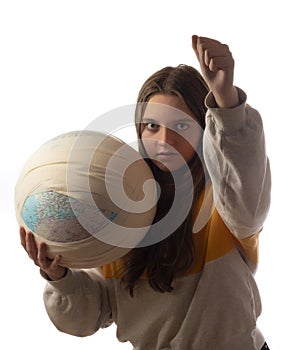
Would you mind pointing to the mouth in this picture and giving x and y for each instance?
(166, 155)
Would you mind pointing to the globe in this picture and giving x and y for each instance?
(89, 196)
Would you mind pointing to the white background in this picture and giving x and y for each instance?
(63, 63)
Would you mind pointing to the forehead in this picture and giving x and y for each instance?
(162, 107)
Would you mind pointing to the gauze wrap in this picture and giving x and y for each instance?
(89, 196)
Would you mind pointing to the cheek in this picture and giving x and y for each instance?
(186, 151)
(193, 138)
(149, 145)
(187, 147)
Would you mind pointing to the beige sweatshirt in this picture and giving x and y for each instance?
(216, 305)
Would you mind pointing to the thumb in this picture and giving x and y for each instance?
(194, 39)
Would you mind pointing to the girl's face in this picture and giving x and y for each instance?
(170, 132)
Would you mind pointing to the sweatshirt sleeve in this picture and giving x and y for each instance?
(235, 157)
(78, 304)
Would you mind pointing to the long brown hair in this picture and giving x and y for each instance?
(164, 260)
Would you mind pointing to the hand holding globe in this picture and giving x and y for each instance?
(83, 199)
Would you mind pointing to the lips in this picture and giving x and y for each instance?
(166, 155)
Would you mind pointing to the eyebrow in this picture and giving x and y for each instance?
(148, 120)
(183, 120)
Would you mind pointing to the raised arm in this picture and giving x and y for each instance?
(235, 156)
(234, 144)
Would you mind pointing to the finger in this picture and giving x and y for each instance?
(198, 48)
(201, 40)
(31, 246)
(216, 51)
(194, 39)
(219, 63)
(56, 261)
(43, 261)
(210, 48)
(22, 233)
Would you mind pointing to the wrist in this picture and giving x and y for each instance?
(228, 99)
(55, 276)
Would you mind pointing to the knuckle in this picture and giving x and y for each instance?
(36, 263)
(29, 251)
(42, 265)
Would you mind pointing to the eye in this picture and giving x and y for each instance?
(152, 126)
(181, 126)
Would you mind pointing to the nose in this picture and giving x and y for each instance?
(166, 136)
